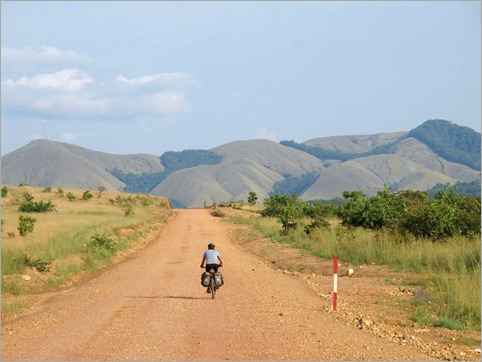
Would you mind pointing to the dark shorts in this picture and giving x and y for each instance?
(212, 266)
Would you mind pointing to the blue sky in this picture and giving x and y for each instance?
(149, 77)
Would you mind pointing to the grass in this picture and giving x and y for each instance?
(448, 272)
(62, 237)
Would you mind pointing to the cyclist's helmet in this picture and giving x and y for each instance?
(211, 246)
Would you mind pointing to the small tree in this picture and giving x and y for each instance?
(101, 190)
(4, 191)
(252, 198)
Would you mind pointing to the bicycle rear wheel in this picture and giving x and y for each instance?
(212, 285)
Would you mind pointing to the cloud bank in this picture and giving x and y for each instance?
(72, 92)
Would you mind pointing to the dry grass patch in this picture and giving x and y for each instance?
(63, 238)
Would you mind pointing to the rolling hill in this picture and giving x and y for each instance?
(436, 152)
(44, 163)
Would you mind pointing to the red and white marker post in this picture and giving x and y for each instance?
(335, 280)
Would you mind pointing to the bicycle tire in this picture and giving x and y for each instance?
(213, 286)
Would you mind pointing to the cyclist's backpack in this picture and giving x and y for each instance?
(218, 277)
(205, 279)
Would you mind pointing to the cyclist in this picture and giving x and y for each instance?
(211, 258)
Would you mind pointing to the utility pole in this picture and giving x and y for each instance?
(45, 137)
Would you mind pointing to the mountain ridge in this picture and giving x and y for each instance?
(322, 167)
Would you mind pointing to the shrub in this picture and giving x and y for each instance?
(126, 203)
(4, 191)
(60, 192)
(41, 266)
(71, 196)
(446, 216)
(28, 196)
(217, 213)
(87, 195)
(101, 241)
(47, 189)
(382, 210)
(128, 210)
(34, 206)
(26, 224)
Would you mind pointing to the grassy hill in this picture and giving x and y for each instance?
(46, 163)
(436, 152)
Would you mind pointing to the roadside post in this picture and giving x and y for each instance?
(335, 280)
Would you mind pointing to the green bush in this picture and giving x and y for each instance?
(34, 206)
(41, 266)
(47, 189)
(26, 225)
(446, 216)
(87, 195)
(4, 191)
(413, 212)
(60, 192)
(28, 196)
(101, 241)
(125, 203)
(71, 196)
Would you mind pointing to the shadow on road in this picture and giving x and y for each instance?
(180, 297)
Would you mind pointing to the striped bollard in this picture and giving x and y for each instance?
(335, 280)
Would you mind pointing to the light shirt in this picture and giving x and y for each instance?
(211, 256)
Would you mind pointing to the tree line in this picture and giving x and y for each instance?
(405, 212)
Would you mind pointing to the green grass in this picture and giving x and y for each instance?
(14, 307)
(448, 272)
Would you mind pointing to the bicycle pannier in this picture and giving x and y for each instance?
(218, 277)
(205, 279)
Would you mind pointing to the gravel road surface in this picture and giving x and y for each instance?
(152, 306)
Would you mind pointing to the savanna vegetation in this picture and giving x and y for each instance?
(50, 237)
(438, 238)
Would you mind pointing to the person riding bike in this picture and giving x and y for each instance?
(211, 258)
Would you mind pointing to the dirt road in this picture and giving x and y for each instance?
(152, 307)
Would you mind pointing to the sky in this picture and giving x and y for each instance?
(134, 77)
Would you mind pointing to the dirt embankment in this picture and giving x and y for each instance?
(152, 307)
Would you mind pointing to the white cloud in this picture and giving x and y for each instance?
(70, 80)
(47, 54)
(168, 80)
(167, 103)
(71, 106)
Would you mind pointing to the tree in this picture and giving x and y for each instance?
(101, 190)
(252, 198)
(289, 210)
